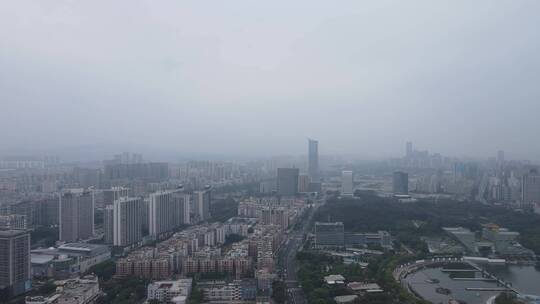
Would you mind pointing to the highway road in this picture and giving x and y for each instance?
(288, 263)
(295, 294)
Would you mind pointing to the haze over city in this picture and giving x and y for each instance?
(258, 78)
(269, 152)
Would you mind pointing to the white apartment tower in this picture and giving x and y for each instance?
(110, 195)
(183, 208)
(202, 204)
(128, 213)
(167, 210)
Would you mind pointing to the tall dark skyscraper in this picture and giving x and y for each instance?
(313, 160)
(287, 181)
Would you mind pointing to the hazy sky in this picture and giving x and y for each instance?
(259, 77)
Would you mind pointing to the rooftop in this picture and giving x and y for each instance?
(328, 224)
(10, 233)
(334, 279)
(358, 286)
(41, 258)
(128, 199)
(177, 284)
(79, 246)
(345, 299)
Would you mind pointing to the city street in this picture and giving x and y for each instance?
(287, 259)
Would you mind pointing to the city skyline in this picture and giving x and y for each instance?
(101, 153)
(256, 152)
(235, 80)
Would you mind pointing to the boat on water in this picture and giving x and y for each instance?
(432, 281)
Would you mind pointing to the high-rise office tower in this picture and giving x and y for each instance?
(400, 183)
(313, 160)
(203, 199)
(76, 215)
(347, 183)
(127, 221)
(530, 187)
(287, 181)
(15, 271)
(409, 149)
(110, 195)
(108, 224)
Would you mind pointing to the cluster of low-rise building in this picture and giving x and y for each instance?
(172, 291)
(236, 291)
(333, 235)
(201, 249)
(274, 215)
(495, 241)
(280, 211)
(194, 250)
(355, 289)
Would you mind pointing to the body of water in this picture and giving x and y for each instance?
(526, 279)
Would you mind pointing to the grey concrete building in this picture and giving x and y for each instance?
(287, 181)
(329, 234)
(108, 224)
(530, 188)
(400, 183)
(15, 275)
(76, 214)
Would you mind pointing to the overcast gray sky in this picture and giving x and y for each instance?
(259, 77)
